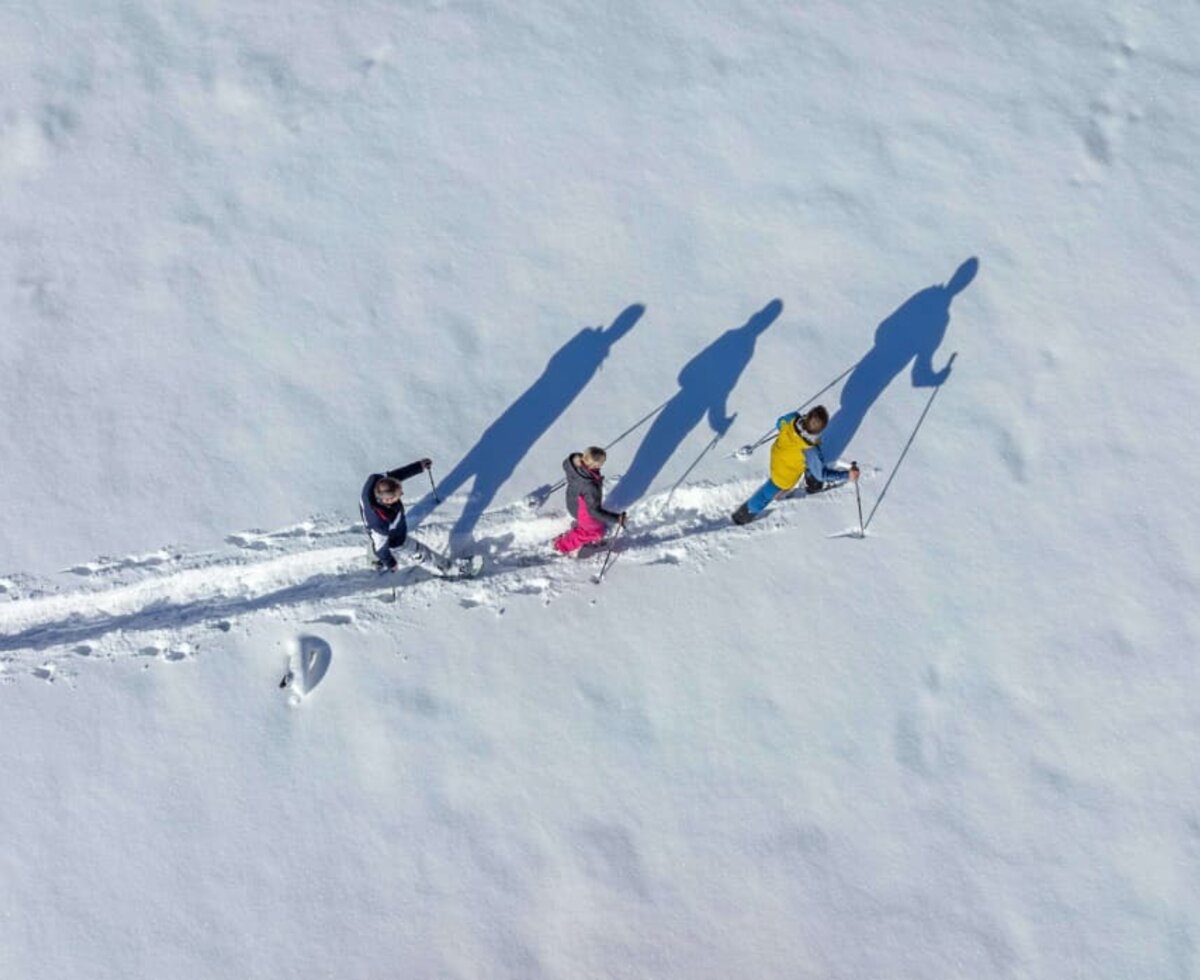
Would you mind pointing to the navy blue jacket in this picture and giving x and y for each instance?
(387, 520)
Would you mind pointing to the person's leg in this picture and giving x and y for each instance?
(414, 552)
(569, 541)
(763, 497)
(379, 547)
(587, 530)
(756, 504)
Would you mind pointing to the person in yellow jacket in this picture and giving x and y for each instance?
(796, 453)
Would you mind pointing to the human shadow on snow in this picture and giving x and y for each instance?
(912, 333)
(162, 614)
(705, 384)
(491, 461)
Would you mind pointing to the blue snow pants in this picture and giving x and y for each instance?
(762, 497)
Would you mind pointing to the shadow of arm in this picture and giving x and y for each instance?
(923, 374)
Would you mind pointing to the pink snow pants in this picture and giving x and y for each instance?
(586, 530)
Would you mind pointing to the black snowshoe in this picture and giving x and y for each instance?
(812, 485)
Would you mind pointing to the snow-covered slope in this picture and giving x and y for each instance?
(251, 252)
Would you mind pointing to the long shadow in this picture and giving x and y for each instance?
(705, 384)
(492, 460)
(164, 614)
(913, 333)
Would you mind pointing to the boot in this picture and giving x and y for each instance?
(742, 515)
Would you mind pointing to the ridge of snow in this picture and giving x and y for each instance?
(322, 563)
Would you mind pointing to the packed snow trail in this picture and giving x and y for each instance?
(324, 562)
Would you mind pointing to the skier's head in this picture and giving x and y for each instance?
(814, 420)
(388, 491)
(594, 457)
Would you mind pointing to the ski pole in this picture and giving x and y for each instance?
(916, 428)
(432, 485)
(747, 451)
(608, 554)
(637, 425)
(707, 449)
(862, 531)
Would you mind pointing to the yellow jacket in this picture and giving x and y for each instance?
(787, 454)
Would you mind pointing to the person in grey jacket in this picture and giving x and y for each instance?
(585, 501)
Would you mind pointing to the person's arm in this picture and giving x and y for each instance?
(814, 463)
(596, 509)
(613, 516)
(412, 469)
(786, 420)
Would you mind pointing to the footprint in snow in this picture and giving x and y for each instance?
(248, 540)
(105, 565)
(336, 619)
(306, 667)
(532, 586)
(161, 651)
(256, 540)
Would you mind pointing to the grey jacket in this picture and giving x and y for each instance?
(588, 484)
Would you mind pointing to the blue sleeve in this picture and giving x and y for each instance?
(814, 463)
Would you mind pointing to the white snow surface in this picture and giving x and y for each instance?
(251, 252)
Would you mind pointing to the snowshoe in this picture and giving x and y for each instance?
(742, 515)
(462, 567)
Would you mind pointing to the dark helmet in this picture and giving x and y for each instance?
(815, 419)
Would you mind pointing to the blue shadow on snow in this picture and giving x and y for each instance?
(494, 457)
(705, 384)
(913, 333)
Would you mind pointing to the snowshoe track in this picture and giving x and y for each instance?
(165, 606)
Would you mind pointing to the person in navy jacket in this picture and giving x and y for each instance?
(382, 509)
